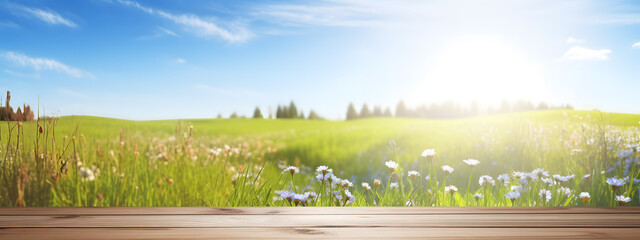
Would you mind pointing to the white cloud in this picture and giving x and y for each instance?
(159, 32)
(580, 53)
(636, 45)
(50, 17)
(202, 27)
(40, 64)
(181, 60)
(575, 40)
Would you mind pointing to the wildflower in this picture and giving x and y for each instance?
(563, 178)
(413, 174)
(447, 169)
(564, 191)
(87, 174)
(545, 195)
(504, 178)
(324, 170)
(539, 173)
(323, 178)
(376, 183)
(395, 176)
(636, 181)
(333, 179)
(615, 183)
(517, 188)
(587, 175)
(345, 183)
(477, 196)
(366, 186)
(486, 181)
(291, 169)
(451, 189)
(622, 200)
(391, 165)
(350, 197)
(427, 178)
(513, 195)
(287, 195)
(520, 175)
(585, 196)
(311, 195)
(300, 199)
(338, 195)
(428, 153)
(548, 181)
(471, 162)
(394, 185)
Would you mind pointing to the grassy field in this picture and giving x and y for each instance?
(92, 161)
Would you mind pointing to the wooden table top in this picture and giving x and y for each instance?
(319, 223)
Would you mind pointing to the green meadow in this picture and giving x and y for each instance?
(544, 158)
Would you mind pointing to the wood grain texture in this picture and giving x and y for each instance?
(318, 233)
(314, 223)
(311, 210)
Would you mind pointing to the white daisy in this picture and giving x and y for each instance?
(87, 174)
(291, 169)
(394, 185)
(451, 189)
(324, 169)
(366, 186)
(346, 183)
(477, 196)
(447, 169)
(504, 178)
(413, 174)
(615, 182)
(622, 199)
(428, 153)
(486, 180)
(471, 162)
(545, 195)
(391, 165)
(585, 196)
(376, 183)
(564, 191)
(513, 195)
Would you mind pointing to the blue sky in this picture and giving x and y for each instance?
(192, 59)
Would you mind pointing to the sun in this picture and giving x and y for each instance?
(481, 68)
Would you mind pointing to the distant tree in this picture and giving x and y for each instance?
(401, 110)
(474, 109)
(301, 116)
(543, 106)
(351, 112)
(365, 112)
(257, 113)
(293, 110)
(377, 111)
(387, 112)
(219, 115)
(279, 112)
(234, 115)
(314, 116)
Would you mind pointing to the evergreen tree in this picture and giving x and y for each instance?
(301, 116)
(257, 113)
(234, 115)
(279, 112)
(293, 111)
(387, 112)
(365, 112)
(351, 112)
(377, 111)
(314, 116)
(401, 110)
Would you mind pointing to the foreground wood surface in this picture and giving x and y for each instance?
(319, 223)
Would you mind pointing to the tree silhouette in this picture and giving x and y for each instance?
(351, 112)
(257, 113)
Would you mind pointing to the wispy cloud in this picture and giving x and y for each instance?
(160, 32)
(580, 53)
(636, 45)
(572, 40)
(8, 24)
(47, 16)
(232, 32)
(342, 13)
(181, 60)
(40, 64)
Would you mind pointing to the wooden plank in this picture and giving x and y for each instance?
(312, 210)
(316, 233)
(244, 221)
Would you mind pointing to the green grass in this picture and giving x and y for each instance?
(175, 165)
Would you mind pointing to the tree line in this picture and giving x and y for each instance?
(448, 110)
(7, 113)
(290, 111)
